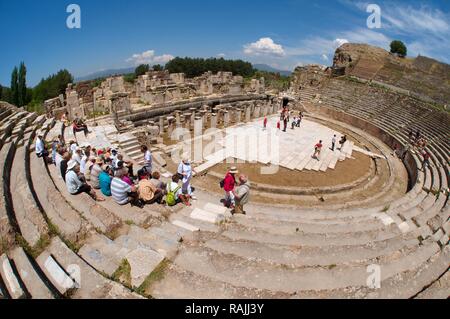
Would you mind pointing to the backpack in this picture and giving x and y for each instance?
(222, 183)
(171, 199)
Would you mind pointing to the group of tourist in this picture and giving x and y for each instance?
(236, 192)
(420, 143)
(89, 170)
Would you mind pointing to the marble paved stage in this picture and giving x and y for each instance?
(292, 149)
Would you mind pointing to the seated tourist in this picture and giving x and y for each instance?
(88, 167)
(122, 192)
(59, 157)
(74, 185)
(79, 126)
(78, 155)
(175, 194)
(63, 166)
(126, 176)
(95, 172)
(40, 149)
(105, 179)
(148, 193)
(155, 180)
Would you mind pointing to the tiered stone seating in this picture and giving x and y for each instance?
(274, 251)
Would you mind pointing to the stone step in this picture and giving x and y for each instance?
(92, 285)
(34, 283)
(69, 222)
(103, 254)
(137, 236)
(31, 223)
(292, 227)
(313, 240)
(185, 225)
(181, 284)
(264, 276)
(142, 262)
(184, 216)
(206, 216)
(10, 279)
(57, 275)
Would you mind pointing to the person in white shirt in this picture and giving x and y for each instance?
(77, 155)
(185, 170)
(40, 147)
(74, 185)
(148, 161)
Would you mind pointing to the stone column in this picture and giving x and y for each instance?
(177, 117)
(213, 120)
(226, 118)
(256, 112)
(161, 125)
(188, 120)
(238, 115)
(248, 114)
(171, 126)
(198, 145)
(192, 110)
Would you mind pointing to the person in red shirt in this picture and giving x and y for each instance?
(265, 122)
(426, 160)
(228, 186)
(278, 125)
(317, 150)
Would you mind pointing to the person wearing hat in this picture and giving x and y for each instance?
(73, 183)
(95, 172)
(63, 165)
(185, 171)
(147, 191)
(241, 195)
(228, 186)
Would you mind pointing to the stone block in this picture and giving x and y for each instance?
(142, 261)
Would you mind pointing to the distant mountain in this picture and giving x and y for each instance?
(268, 68)
(104, 74)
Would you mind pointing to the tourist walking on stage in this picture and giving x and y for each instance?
(342, 142)
(185, 171)
(228, 184)
(333, 143)
(148, 160)
(241, 195)
(265, 123)
(317, 150)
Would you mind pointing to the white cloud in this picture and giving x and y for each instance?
(338, 42)
(149, 57)
(221, 55)
(324, 57)
(264, 46)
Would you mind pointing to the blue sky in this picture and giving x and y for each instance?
(283, 33)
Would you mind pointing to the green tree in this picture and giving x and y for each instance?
(141, 69)
(158, 67)
(398, 47)
(15, 86)
(1, 92)
(22, 85)
(193, 67)
(52, 86)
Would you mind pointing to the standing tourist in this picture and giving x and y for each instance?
(241, 195)
(185, 170)
(317, 150)
(229, 183)
(333, 143)
(148, 160)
